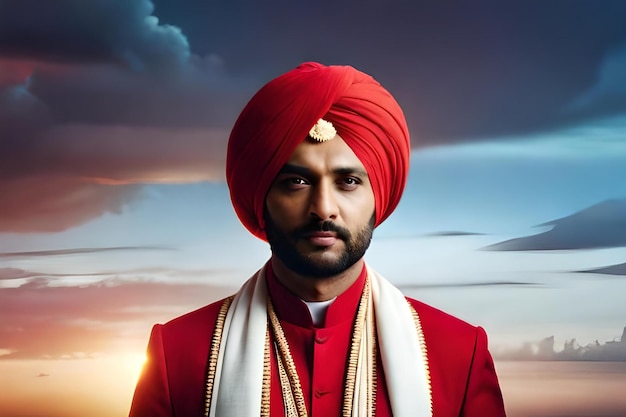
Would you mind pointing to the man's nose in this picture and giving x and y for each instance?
(323, 203)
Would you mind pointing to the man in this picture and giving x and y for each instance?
(317, 159)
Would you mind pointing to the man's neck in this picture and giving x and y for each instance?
(316, 289)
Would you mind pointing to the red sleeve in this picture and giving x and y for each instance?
(152, 394)
(483, 396)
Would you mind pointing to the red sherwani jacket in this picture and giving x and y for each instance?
(463, 378)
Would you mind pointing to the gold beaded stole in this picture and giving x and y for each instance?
(214, 351)
(360, 380)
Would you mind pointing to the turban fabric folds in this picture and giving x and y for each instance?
(279, 116)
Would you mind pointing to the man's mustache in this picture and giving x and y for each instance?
(325, 226)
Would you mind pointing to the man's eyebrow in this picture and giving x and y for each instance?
(294, 169)
(305, 172)
(360, 172)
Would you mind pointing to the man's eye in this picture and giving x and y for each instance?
(294, 183)
(350, 183)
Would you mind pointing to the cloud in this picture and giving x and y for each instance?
(97, 99)
(126, 154)
(55, 204)
(17, 273)
(619, 269)
(94, 31)
(600, 226)
(39, 321)
(445, 233)
(18, 276)
(21, 274)
(454, 233)
(471, 284)
(101, 161)
(72, 251)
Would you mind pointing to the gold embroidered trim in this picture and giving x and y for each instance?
(422, 342)
(293, 396)
(216, 341)
(374, 382)
(290, 383)
(357, 336)
(267, 376)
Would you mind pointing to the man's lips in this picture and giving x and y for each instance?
(325, 239)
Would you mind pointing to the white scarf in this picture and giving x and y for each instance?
(238, 383)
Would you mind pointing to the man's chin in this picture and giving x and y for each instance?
(325, 265)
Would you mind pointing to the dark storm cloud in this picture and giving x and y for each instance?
(114, 62)
(91, 31)
(600, 226)
(462, 70)
(97, 98)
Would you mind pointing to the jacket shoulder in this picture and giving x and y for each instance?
(463, 377)
(197, 324)
(438, 324)
(177, 362)
(449, 340)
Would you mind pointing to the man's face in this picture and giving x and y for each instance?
(320, 210)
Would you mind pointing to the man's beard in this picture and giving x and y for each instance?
(307, 264)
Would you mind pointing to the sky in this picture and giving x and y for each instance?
(114, 213)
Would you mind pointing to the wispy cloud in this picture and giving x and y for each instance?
(42, 321)
(444, 233)
(73, 251)
(17, 273)
(453, 233)
(619, 269)
(471, 284)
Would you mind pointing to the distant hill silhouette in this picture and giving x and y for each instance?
(610, 351)
(600, 226)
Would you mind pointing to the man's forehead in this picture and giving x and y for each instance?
(334, 153)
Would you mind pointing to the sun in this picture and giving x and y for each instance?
(133, 364)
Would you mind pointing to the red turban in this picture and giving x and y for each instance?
(278, 118)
